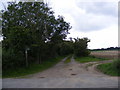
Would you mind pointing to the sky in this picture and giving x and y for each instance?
(95, 19)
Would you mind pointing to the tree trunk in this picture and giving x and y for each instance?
(26, 58)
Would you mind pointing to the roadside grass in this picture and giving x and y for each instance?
(33, 68)
(88, 65)
(68, 60)
(88, 59)
(108, 69)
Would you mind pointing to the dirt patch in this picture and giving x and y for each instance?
(62, 70)
(73, 74)
(41, 77)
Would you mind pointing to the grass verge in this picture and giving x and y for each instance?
(33, 68)
(109, 69)
(68, 60)
(88, 65)
(88, 59)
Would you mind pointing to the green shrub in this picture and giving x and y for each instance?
(108, 69)
(80, 47)
(12, 60)
(116, 64)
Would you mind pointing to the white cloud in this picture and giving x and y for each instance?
(95, 19)
(88, 16)
(106, 8)
(91, 22)
(104, 38)
(107, 37)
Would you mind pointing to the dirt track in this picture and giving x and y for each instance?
(71, 75)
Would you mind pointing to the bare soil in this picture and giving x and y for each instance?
(113, 54)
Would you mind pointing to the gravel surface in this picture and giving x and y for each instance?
(70, 75)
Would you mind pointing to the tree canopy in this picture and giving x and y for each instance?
(33, 25)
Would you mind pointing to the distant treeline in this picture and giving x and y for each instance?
(110, 48)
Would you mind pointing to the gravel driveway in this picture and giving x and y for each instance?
(70, 75)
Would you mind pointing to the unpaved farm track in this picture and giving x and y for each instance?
(70, 75)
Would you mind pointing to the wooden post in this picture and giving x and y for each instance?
(26, 58)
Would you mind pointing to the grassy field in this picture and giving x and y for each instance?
(109, 69)
(109, 54)
(34, 68)
(88, 59)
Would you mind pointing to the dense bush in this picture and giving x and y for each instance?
(11, 59)
(116, 64)
(66, 48)
(80, 47)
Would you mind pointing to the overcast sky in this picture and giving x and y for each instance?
(95, 19)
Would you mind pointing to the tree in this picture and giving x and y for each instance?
(80, 47)
(33, 25)
(65, 48)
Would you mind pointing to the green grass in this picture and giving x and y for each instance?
(33, 68)
(88, 59)
(88, 65)
(68, 60)
(108, 69)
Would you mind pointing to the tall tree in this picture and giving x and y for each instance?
(33, 25)
(80, 46)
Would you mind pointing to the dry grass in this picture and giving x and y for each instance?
(113, 54)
